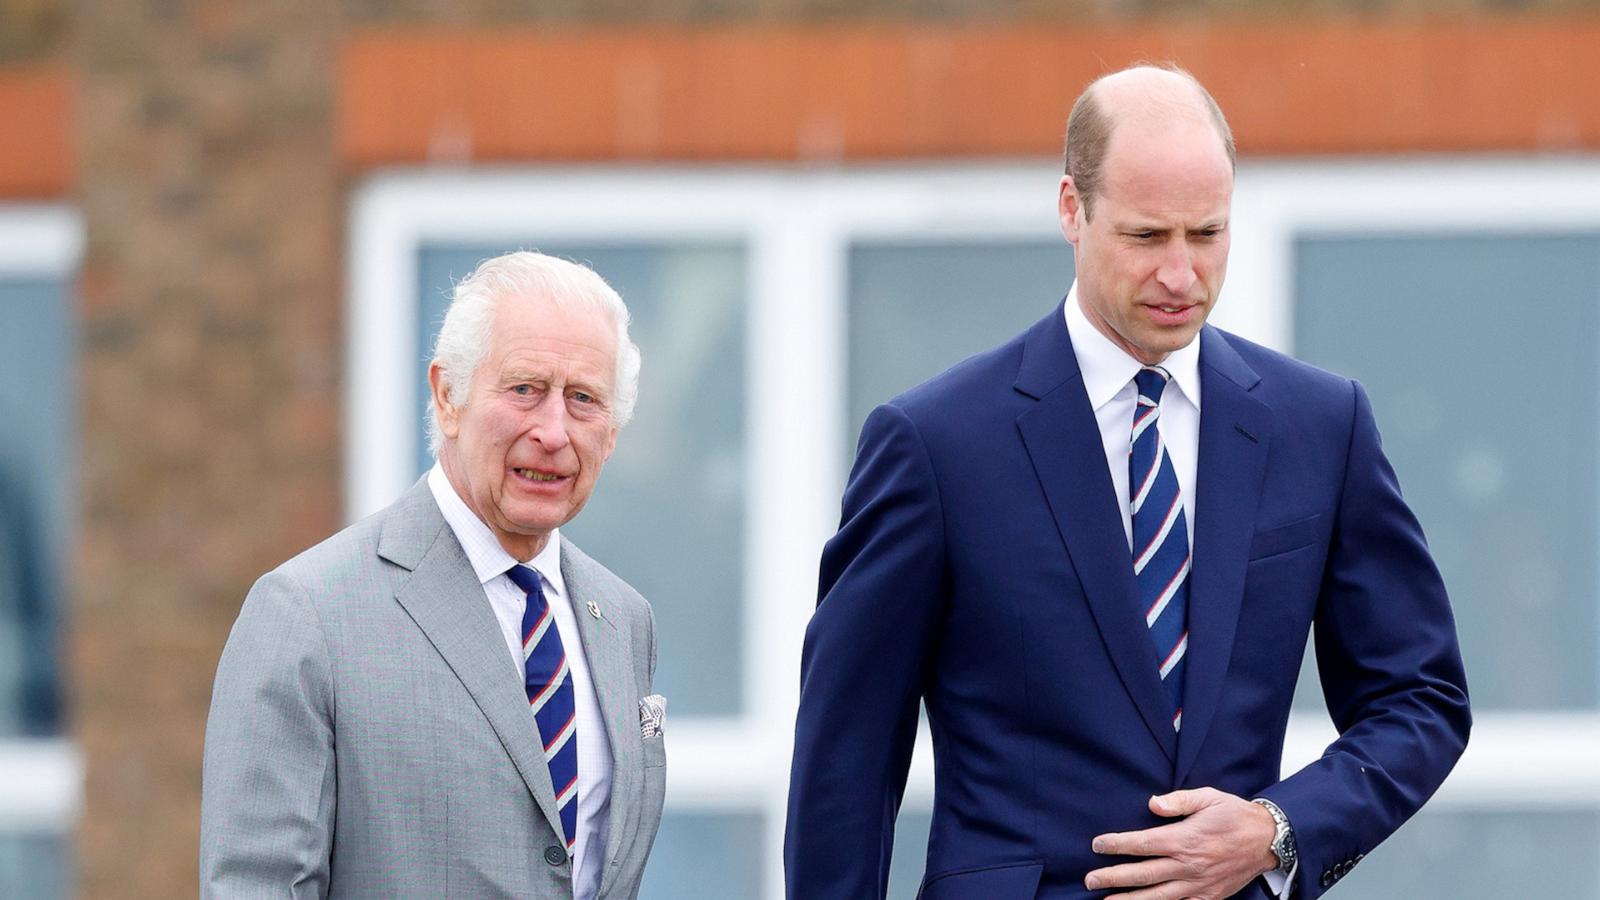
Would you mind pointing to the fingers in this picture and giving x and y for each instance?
(1168, 891)
(1163, 840)
(1140, 874)
(1212, 851)
(1184, 803)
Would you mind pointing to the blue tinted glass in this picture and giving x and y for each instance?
(910, 851)
(1483, 855)
(36, 462)
(917, 309)
(1479, 353)
(668, 514)
(706, 856)
(35, 866)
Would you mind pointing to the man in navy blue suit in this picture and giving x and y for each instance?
(1095, 554)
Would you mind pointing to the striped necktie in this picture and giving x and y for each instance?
(1160, 538)
(548, 680)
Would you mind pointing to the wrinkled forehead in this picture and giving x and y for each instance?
(537, 335)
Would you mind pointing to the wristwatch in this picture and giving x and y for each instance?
(1283, 840)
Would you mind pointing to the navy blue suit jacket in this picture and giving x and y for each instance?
(981, 567)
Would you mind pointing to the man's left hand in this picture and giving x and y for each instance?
(1222, 843)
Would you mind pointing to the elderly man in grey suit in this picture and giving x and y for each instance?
(448, 698)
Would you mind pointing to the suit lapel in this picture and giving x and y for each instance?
(610, 663)
(1063, 442)
(1235, 432)
(446, 600)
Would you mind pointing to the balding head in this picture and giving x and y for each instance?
(1149, 98)
(1158, 165)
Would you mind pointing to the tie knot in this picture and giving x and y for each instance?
(1151, 381)
(525, 577)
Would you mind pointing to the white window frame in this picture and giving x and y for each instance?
(1525, 761)
(798, 226)
(41, 779)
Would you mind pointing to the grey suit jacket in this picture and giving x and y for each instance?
(368, 738)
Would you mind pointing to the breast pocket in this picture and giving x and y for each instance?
(655, 752)
(1286, 538)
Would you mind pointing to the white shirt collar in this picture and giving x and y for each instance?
(1107, 368)
(490, 560)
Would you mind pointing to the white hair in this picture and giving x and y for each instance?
(464, 337)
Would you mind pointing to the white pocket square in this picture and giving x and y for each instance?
(652, 715)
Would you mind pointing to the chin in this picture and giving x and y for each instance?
(532, 521)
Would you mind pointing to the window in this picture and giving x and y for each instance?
(40, 772)
(775, 307)
(1479, 351)
(1471, 321)
(917, 308)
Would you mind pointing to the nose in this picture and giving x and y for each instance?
(1176, 273)
(547, 422)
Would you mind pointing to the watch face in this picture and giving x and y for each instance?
(1284, 848)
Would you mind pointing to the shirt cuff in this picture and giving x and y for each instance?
(1280, 883)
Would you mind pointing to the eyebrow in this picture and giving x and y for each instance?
(1141, 227)
(519, 376)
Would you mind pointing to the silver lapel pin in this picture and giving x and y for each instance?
(594, 609)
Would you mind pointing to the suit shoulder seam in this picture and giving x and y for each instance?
(933, 474)
(319, 625)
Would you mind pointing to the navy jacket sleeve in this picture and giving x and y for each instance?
(1391, 671)
(863, 667)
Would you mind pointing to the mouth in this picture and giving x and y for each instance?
(536, 475)
(1172, 313)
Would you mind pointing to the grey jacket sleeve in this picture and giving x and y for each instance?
(267, 807)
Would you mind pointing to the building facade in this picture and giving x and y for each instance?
(226, 234)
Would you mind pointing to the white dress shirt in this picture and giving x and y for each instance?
(490, 562)
(1108, 373)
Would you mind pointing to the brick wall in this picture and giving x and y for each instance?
(214, 200)
(32, 29)
(210, 300)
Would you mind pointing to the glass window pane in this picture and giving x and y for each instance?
(668, 516)
(1479, 353)
(910, 851)
(915, 309)
(707, 856)
(1483, 855)
(918, 308)
(36, 388)
(34, 865)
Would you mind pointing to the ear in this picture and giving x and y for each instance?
(611, 440)
(447, 413)
(1068, 206)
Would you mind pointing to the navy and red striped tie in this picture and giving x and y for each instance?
(548, 680)
(1161, 558)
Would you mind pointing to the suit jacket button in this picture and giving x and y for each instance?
(1327, 878)
(554, 855)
